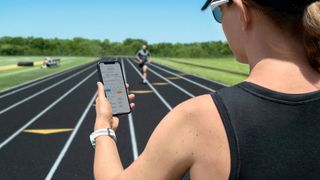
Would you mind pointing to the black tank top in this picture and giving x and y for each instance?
(271, 135)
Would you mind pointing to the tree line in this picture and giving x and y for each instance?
(90, 47)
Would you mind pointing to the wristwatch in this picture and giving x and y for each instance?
(102, 132)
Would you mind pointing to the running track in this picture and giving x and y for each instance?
(66, 101)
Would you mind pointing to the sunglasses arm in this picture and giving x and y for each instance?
(215, 4)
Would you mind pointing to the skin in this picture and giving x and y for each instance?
(145, 67)
(192, 135)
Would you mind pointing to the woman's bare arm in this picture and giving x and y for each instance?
(174, 147)
(168, 154)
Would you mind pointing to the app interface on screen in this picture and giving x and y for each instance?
(114, 87)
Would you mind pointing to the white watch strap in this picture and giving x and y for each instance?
(102, 132)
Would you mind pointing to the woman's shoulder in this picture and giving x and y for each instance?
(200, 109)
(196, 107)
(197, 114)
(201, 117)
(201, 114)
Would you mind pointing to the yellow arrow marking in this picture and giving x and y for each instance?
(141, 92)
(46, 131)
(160, 84)
(173, 78)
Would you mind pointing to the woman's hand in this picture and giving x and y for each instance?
(104, 117)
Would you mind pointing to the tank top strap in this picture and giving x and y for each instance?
(231, 135)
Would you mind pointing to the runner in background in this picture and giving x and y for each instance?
(143, 58)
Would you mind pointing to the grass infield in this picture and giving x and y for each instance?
(13, 77)
(225, 70)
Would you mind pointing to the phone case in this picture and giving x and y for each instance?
(101, 80)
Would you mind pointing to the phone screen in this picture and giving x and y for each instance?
(114, 84)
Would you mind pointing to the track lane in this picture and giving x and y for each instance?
(34, 82)
(203, 81)
(6, 103)
(20, 115)
(38, 145)
(193, 88)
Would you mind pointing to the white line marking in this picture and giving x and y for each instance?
(189, 80)
(209, 80)
(175, 85)
(42, 91)
(33, 82)
(43, 112)
(69, 141)
(131, 124)
(133, 137)
(153, 89)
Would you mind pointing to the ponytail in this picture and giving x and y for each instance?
(311, 34)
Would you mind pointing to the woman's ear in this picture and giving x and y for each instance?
(245, 16)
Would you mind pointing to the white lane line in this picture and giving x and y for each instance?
(153, 89)
(209, 80)
(133, 137)
(69, 141)
(42, 91)
(131, 124)
(44, 111)
(189, 80)
(33, 82)
(172, 83)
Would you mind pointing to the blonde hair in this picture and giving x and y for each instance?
(306, 24)
(311, 33)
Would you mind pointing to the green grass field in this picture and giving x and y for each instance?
(218, 74)
(11, 78)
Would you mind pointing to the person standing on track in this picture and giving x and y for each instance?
(143, 57)
(267, 127)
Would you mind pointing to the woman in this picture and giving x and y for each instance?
(267, 127)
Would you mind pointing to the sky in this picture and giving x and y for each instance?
(155, 21)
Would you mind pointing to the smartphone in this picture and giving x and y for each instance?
(111, 75)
